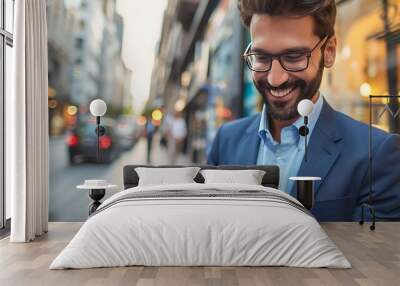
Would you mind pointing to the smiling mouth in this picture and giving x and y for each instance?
(281, 94)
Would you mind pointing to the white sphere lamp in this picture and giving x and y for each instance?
(98, 107)
(305, 107)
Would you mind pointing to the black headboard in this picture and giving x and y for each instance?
(270, 179)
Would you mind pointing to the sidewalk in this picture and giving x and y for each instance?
(159, 155)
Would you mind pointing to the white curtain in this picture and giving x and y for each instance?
(27, 124)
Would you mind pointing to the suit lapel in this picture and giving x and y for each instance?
(249, 144)
(324, 147)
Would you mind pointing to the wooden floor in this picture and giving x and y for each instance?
(375, 257)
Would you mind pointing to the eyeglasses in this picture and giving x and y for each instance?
(295, 61)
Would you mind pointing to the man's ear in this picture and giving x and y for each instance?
(330, 52)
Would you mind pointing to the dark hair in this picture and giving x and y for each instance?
(323, 12)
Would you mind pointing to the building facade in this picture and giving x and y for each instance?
(85, 41)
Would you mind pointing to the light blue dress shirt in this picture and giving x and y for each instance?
(288, 154)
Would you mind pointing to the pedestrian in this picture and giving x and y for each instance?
(178, 132)
(165, 130)
(150, 128)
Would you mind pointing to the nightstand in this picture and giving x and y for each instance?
(305, 190)
(97, 190)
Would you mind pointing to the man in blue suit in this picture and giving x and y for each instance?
(292, 43)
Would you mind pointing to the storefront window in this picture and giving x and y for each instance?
(224, 59)
(367, 60)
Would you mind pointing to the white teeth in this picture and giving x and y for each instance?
(281, 92)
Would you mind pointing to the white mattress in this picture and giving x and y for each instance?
(183, 231)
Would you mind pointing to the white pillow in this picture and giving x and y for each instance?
(248, 177)
(162, 176)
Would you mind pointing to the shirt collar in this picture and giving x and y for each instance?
(312, 119)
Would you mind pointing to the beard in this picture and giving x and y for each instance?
(285, 111)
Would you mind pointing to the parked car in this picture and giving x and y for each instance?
(82, 142)
(128, 131)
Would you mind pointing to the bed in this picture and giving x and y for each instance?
(201, 224)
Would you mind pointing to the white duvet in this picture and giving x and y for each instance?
(183, 231)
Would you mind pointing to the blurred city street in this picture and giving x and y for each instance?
(67, 203)
(174, 69)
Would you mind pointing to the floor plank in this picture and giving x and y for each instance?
(374, 255)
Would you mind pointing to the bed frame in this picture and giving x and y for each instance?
(270, 179)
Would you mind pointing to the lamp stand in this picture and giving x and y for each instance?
(303, 131)
(372, 211)
(96, 195)
(100, 131)
(394, 115)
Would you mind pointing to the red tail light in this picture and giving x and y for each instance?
(105, 142)
(72, 140)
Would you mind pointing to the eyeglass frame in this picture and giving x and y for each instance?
(278, 56)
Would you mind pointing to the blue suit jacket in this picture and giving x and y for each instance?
(338, 153)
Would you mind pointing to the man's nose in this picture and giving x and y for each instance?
(277, 75)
